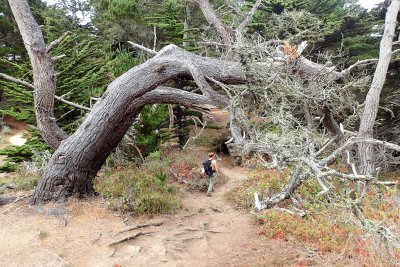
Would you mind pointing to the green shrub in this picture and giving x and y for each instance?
(261, 181)
(8, 167)
(156, 202)
(155, 164)
(131, 189)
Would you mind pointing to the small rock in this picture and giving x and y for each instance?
(57, 211)
(63, 222)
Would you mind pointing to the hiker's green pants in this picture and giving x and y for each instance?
(212, 181)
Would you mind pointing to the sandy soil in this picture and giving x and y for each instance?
(206, 232)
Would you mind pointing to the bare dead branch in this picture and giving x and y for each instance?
(395, 51)
(360, 62)
(31, 87)
(171, 117)
(141, 47)
(203, 85)
(56, 42)
(287, 191)
(204, 124)
(296, 212)
(65, 114)
(57, 58)
(392, 116)
(17, 81)
(351, 177)
(71, 103)
(328, 144)
(155, 38)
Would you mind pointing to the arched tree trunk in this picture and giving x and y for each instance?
(78, 159)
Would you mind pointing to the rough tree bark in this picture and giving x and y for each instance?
(77, 160)
(365, 150)
(43, 72)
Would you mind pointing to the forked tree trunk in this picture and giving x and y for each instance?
(365, 150)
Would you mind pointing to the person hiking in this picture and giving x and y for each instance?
(210, 168)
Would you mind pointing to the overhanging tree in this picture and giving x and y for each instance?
(79, 157)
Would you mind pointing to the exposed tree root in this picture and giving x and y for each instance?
(130, 238)
(158, 223)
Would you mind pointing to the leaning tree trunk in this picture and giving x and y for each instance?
(365, 150)
(73, 166)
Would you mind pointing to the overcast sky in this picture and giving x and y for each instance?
(369, 3)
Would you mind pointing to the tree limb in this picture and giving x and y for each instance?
(31, 87)
(57, 58)
(129, 238)
(287, 191)
(17, 81)
(141, 47)
(56, 42)
(224, 31)
(248, 18)
(347, 71)
(71, 103)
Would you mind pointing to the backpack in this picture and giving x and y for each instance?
(207, 167)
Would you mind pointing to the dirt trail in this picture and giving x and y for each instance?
(207, 231)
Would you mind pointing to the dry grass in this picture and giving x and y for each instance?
(326, 226)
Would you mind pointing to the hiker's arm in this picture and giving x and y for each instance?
(214, 165)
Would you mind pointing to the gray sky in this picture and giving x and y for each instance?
(369, 3)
